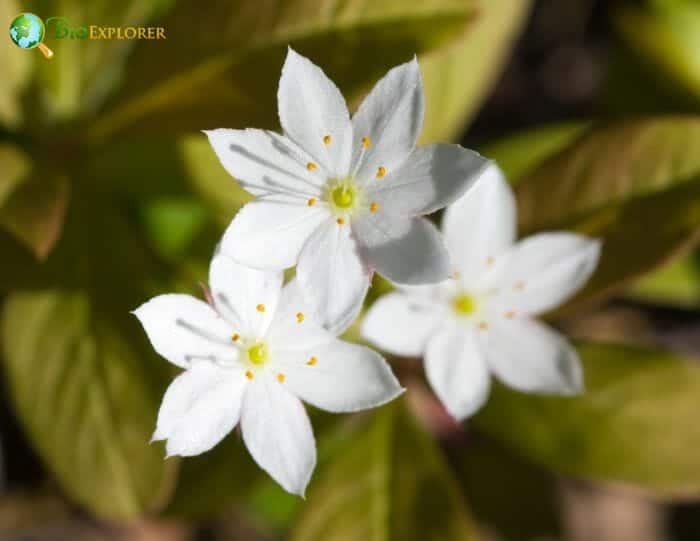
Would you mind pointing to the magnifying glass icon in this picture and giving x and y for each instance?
(27, 31)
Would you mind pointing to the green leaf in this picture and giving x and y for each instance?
(458, 77)
(389, 482)
(635, 424)
(16, 68)
(202, 79)
(35, 210)
(86, 399)
(634, 184)
(519, 154)
(677, 284)
(666, 35)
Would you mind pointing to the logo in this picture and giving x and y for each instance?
(27, 31)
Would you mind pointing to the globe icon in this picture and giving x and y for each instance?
(27, 31)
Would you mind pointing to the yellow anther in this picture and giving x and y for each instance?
(456, 275)
(381, 171)
(236, 337)
(520, 285)
(489, 261)
(510, 314)
(300, 317)
(260, 307)
(311, 166)
(280, 377)
(373, 207)
(366, 141)
(483, 326)
(327, 140)
(249, 374)
(311, 202)
(340, 221)
(312, 361)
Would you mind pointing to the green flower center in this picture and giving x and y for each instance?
(344, 196)
(257, 353)
(464, 304)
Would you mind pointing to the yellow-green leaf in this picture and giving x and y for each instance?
(635, 424)
(84, 394)
(520, 153)
(202, 78)
(633, 184)
(458, 76)
(388, 483)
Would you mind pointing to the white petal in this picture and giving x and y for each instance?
(332, 276)
(270, 234)
(199, 408)
(296, 326)
(430, 178)
(401, 324)
(182, 328)
(457, 371)
(277, 433)
(345, 377)
(531, 357)
(405, 250)
(481, 224)
(265, 163)
(311, 107)
(542, 271)
(246, 295)
(392, 117)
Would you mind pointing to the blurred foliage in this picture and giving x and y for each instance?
(389, 482)
(109, 194)
(635, 424)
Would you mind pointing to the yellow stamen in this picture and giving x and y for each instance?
(311, 202)
(381, 171)
(340, 221)
(373, 207)
(456, 275)
(312, 361)
(327, 140)
(260, 307)
(489, 261)
(249, 374)
(520, 285)
(483, 326)
(236, 337)
(280, 377)
(366, 141)
(300, 317)
(311, 166)
(510, 314)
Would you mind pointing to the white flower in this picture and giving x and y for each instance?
(251, 356)
(340, 197)
(481, 321)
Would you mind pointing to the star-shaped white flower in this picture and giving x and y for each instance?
(481, 321)
(251, 356)
(343, 197)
